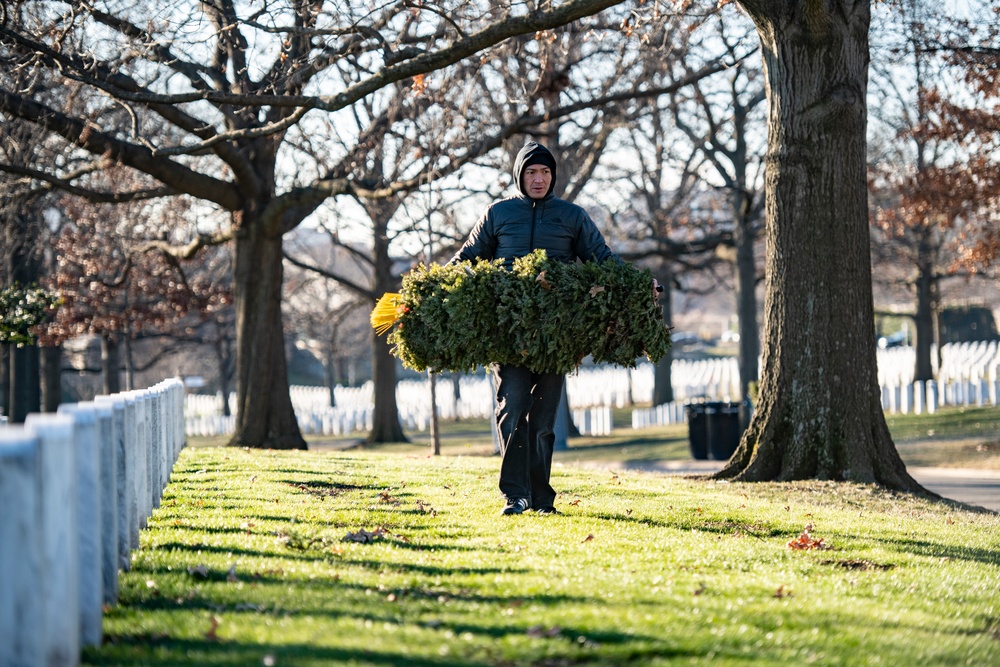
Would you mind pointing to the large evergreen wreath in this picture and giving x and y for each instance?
(545, 315)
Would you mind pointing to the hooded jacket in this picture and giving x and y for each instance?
(516, 226)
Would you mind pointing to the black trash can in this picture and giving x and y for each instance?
(723, 427)
(697, 430)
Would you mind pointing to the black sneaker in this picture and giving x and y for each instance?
(546, 510)
(516, 506)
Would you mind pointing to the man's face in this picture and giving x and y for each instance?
(537, 179)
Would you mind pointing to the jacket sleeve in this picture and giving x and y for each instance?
(482, 241)
(590, 243)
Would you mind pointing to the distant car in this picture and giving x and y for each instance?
(892, 340)
(730, 337)
(683, 337)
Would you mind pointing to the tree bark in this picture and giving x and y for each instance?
(746, 303)
(51, 378)
(819, 412)
(924, 319)
(110, 364)
(330, 372)
(663, 387)
(224, 359)
(5, 379)
(25, 393)
(385, 420)
(264, 414)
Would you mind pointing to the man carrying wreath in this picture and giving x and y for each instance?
(527, 401)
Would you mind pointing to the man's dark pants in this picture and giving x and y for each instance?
(527, 404)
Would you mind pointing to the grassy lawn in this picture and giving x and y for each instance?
(372, 558)
(953, 437)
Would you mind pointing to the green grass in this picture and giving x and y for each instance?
(245, 563)
(952, 437)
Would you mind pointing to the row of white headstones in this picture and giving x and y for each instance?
(76, 487)
(968, 376)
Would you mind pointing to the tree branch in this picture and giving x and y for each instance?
(346, 282)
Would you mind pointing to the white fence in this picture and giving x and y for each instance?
(968, 376)
(76, 488)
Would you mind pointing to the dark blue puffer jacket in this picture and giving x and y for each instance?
(514, 227)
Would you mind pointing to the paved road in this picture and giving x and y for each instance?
(975, 487)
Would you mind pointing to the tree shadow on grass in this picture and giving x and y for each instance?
(555, 647)
(938, 550)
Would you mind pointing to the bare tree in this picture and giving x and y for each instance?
(721, 117)
(927, 196)
(546, 85)
(691, 157)
(23, 237)
(209, 103)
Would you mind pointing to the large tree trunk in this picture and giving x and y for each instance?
(5, 378)
(224, 359)
(51, 378)
(819, 413)
(385, 420)
(924, 319)
(746, 303)
(264, 414)
(110, 364)
(663, 386)
(25, 391)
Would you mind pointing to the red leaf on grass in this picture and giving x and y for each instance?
(806, 541)
(210, 635)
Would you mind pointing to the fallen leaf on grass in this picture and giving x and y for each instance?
(210, 635)
(806, 541)
(366, 537)
(782, 592)
(540, 631)
(575, 502)
(588, 538)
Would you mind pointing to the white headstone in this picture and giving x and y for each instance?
(22, 610)
(58, 587)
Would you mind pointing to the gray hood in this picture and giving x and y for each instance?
(533, 153)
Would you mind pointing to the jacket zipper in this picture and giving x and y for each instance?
(531, 235)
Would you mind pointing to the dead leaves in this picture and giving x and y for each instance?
(782, 592)
(202, 571)
(542, 632)
(363, 536)
(806, 541)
